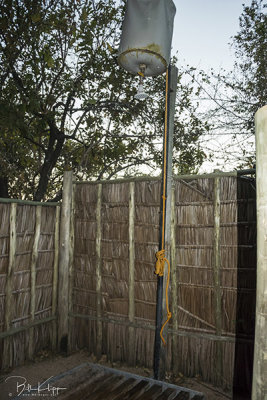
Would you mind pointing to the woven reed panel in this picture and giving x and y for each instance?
(197, 291)
(21, 279)
(4, 255)
(206, 341)
(194, 254)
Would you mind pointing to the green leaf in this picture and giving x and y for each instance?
(92, 101)
(36, 17)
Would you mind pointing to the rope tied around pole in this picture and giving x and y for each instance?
(159, 270)
(160, 256)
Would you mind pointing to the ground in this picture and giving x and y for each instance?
(46, 365)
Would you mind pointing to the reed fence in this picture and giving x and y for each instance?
(29, 237)
(213, 259)
(87, 279)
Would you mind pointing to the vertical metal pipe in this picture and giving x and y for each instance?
(159, 354)
(157, 347)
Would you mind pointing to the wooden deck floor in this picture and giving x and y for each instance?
(96, 382)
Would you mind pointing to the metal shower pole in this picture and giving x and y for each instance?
(164, 242)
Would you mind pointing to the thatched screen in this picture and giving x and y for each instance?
(213, 257)
(105, 267)
(215, 278)
(103, 255)
(28, 279)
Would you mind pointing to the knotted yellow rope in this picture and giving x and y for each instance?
(159, 270)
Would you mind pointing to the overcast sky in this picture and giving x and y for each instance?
(202, 31)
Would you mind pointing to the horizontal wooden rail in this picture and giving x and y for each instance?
(29, 202)
(15, 331)
(176, 177)
(196, 335)
(210, 202)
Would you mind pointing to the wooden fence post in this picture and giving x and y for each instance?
(259, 386)
(131, 310)
(55, 278)
(216, 274)
(98, 272)
(174, 286)
(64, 263)
(34, 257)
(71, 258)
(7, 355)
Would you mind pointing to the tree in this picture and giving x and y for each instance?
(235, 97)
(251, 52)
(65, 103)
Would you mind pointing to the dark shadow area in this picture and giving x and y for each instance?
(246, 288)
(64, 344)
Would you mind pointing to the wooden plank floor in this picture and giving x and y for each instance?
(96, 382)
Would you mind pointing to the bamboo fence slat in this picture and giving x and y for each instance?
(33, 275)
(7, 361)
(131, 300)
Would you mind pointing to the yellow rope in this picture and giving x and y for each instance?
(160, 255)
(159, 270)
(169, 314)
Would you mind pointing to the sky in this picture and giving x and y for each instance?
(203, 29)
(202, 36)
